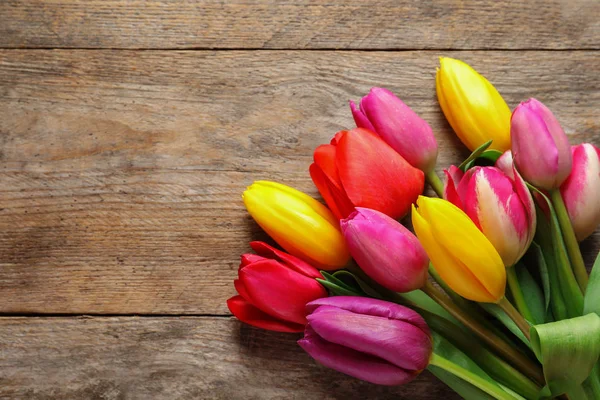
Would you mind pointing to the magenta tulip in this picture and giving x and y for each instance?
(274, 288)
(373, 340)
(581, 190)
(399, 126)
(385, 250)
(540, 147)
(501, 207)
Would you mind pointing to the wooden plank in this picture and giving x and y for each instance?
(172, 358)
(305, 24)
(121, 172)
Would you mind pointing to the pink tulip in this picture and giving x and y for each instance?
(540, 146)
(373, 340)
(501, 207)
(399, 126)
(581, 190)
(385, 250)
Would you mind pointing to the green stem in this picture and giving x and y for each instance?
(512, 312)
(492, 364)
(509, 353)
(570, 240)
(517, 293)
(466, 375)
(435, 182)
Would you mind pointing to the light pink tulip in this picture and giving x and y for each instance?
(540, 146)
(581, 190)
(501, 207)
(399, 126)
(385, 250)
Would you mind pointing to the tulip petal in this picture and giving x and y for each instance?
(251, 315)
(360, 119)
(279, 291)
(401, 128)
(398, 342)
(333, 194)
(534, 149)
(454, 231)
(385, 250)
(375, 176)
(352, 362)
(374, 307)
(301, 225)
(451, 269)
(453, 178)
(292, 262)
(477, 111)
(581, 190)
(249, 259)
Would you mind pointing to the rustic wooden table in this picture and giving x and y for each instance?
(128, 130)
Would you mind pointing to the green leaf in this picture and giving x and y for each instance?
(419, 299)
(533, 295)
(501, 316)
(571, 293)
(544, 275)
(591, 301)
(476, 153)
(491, 155)
(448, 358)
(336, 290)
(364, 287)
(568, 350)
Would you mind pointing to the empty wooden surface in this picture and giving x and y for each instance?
(123, 157)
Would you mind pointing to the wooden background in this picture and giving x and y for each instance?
(129, 129)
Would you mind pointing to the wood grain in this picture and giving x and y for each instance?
(305, 24)
(121, 172)
(172, 358)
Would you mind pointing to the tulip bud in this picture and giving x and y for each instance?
(501, 207)
(581, 190)
(472, 105)
(300, 224)
(399, 126)
(274, 288)
(358, 169)
(540, 146)
(464, 258)
(373, 340)
(385, 250)
(505, 164)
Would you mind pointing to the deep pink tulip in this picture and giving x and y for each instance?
(581, 190)
(399, 126)
(385, 250)
(501, 207)
(540, 147)
(274, 288)
(373, 340)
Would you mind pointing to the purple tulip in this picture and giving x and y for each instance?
(385, 250)
(540, 147)
(399, 126)
(373, 340)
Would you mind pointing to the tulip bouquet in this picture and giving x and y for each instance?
(490, 294)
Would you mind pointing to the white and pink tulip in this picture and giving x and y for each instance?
(581, 190)
(501, 207)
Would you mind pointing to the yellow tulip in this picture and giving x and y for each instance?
(472, 105)
(464, 258)
(300, 224)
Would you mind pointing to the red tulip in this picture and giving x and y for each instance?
(274, 288)
(358, 169)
